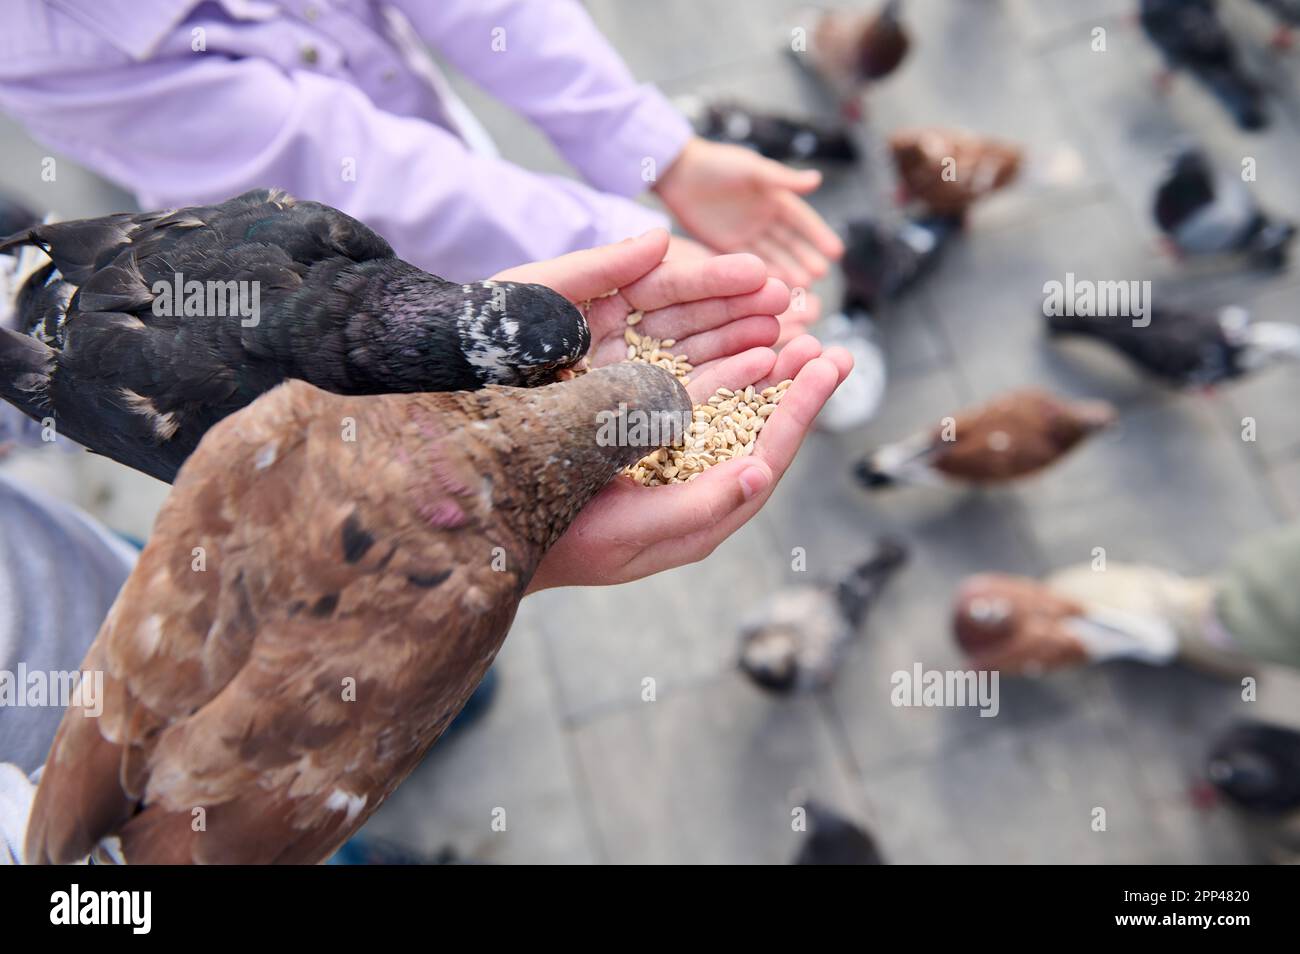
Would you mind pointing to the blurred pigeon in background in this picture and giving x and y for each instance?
(832, 839)
(784, 138)
(1013, 436)
(949, 170)
(848, 50)
(1256, 766)
(1191, 36)
(1190, 347)
(1023, 626)
(144, 330)
(1204, 212)
(797, 638)
(881, 260)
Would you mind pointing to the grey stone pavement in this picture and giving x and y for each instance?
(588, 772)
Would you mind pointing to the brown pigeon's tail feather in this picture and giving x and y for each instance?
(79, 800)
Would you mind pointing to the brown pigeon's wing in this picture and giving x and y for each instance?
(1002, 440)
(263, 710)
(177, 633)
(301, 747)
(369, 641)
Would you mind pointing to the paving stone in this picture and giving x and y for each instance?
(678, 627)
(1024, 798)
(1165, 486)
(709, 775)
(517, 758)
(1063, 21)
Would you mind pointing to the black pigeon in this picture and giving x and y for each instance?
(797, 638)
(1191, 348)
(1191, 36)
(832, 839)
(115, 346)
(1257, 767)
(783, 138)
(882, 261)
(1205, 213)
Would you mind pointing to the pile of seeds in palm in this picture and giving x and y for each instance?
(725, 426)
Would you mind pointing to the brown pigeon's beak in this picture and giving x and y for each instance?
(571, 438)
(623, 412)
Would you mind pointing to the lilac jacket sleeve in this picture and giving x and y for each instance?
(549, 61)
(198, 130)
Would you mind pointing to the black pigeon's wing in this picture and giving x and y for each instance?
(1187, 348)
(137, 378)
(1189, 32)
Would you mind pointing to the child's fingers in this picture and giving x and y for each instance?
(734, 372)
(793, 357)
(682, 319)
(680, 281)
(785, 430)
(755, 331)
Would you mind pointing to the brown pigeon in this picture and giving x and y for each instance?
(1087, 613)
(850, 50)
(1021, 622)
(1017, 434)
(948, 170)
(327, 583)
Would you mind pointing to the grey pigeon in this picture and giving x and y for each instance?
(796, 639)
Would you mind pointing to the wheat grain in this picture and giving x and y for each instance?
(724, 427)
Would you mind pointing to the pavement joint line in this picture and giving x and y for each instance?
(579, 781)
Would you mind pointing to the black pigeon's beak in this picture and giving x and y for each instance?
(570, 371)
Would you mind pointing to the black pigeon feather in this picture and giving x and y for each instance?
(1257, 766)
(1189, 348)
(126, 372)
(882, 261)
(833, 839)
(775, 136)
